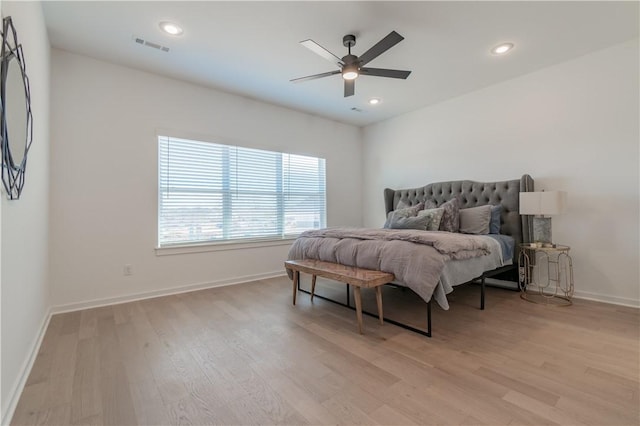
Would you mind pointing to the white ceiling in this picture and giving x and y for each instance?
(251, 48)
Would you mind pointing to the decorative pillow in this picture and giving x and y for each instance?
(475, 220)
(399, 213)
(435, 217)
(402, 205)
(451, 217)
(411, 222)
(494, 225)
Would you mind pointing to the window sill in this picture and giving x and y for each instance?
(222, 246)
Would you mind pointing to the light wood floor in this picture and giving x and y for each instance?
(244, 355)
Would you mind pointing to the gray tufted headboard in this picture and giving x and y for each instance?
(473, 194)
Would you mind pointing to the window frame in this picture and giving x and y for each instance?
(225, 244)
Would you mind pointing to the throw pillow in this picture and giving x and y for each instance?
(402, 205)
(494, 226)
(451, 217)
(398, 213)
(475, 220)
(435, 217)
(411, 222)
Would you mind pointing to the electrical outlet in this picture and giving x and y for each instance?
(127, 270)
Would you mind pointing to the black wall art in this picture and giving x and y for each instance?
(16, 122)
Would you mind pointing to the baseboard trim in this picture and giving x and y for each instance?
(27, 365)
(584, 295)
(614, 300)
(96, 303)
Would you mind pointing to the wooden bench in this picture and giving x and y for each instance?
(349, 275)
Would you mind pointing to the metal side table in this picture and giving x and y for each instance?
(545, 274)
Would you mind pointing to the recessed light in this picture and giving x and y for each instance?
(170, 28)
(502, 48)
(374, 101)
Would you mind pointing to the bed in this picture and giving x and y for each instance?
(431, 263)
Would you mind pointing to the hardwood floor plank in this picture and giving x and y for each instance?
(30, 403)
(522, 387)
(546, 411)
(411, 402)
(386, 415)
(86, 400)
(148, 404)
(89, 421)
(71, 322)
(346, 412)
(167, 379)
(226, 388)
(596, 413)
(480, 396)
(63, 358)
(308, 407)
(116, 401)
(59, 415)
(88, 324)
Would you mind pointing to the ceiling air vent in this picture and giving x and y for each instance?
(151, 44)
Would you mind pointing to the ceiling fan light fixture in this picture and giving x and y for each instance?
(350, 72)
(502, 48)
(171, 28)
(351, 66)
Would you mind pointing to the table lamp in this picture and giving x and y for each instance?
(540, 204)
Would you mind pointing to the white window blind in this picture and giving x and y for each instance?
(210, 192)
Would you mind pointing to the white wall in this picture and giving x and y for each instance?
(104, 176)
(24, 223)
(573, 127)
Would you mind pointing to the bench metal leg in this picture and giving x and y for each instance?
(313, 286)
(348, 297)
(429, 318)
(390, 321)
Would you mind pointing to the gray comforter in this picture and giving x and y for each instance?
(416, 258)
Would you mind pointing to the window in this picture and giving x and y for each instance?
(211, 193)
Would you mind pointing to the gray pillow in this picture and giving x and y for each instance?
(451, 217)
(402, 205)
(399, 213)
(494, 226)
(435, 217)
(475, 220)
(411, 222)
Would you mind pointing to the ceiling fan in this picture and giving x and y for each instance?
(351, 66)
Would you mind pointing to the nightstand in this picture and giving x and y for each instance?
(545, 274)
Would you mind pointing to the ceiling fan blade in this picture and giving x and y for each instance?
(380, 47)
(349, 88)
(313, 77)
(381, 72)
(319, 50)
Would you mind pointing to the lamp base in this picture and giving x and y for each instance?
(542, 230)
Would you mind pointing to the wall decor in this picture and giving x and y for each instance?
(16, 121)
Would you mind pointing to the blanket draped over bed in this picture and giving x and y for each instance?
(416, 258)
